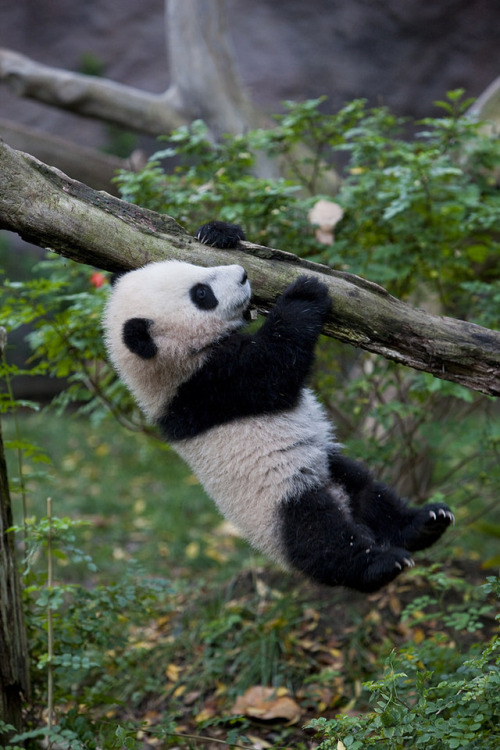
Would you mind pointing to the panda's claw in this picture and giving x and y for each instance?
(407, 562)
(426, 526)
(381, 567)
(447, 514)
(220, 234)
(442, 515)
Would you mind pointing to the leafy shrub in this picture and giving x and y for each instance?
(431, 695)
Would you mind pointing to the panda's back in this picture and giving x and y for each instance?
(248, 466)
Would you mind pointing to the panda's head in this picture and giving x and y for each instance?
(161, 320)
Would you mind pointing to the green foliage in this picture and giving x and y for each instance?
(138, 498)
(98, 636)
(420, 215)
(235, 648)
(62, 308)
(217, 180)
(431, 695)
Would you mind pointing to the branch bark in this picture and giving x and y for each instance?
(90, 96)
(49, 209)
(85, 164)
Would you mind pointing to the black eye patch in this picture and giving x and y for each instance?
(203, 297)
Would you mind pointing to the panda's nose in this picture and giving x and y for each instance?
(244, 278)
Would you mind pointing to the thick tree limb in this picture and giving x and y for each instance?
(90, 96)
(51, 210)
(86, 164)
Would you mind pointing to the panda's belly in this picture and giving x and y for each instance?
(248, 467)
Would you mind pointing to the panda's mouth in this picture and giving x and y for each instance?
(238, 308)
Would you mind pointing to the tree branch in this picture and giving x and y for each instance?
(49, 209)
(90, 96)
(85, 164)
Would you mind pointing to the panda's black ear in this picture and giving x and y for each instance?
(220, 234)
(137, 338)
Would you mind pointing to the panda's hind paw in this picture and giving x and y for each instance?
(406, 562)
(378, 567)
(428, 524)
(441, 515)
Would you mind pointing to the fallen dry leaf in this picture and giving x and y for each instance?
(172, 671)
(265, 703)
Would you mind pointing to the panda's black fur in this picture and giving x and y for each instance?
(220, 234)
(234, 405)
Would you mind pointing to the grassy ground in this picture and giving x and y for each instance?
(140, 498)
(179, 618)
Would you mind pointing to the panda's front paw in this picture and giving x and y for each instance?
(307, 290)
(306, 287)
(220, 234)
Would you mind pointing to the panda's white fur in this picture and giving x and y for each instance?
(250, 467)
(235, 407)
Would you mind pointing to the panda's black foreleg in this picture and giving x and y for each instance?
(390, 519)
(322, 542)
(273, 368)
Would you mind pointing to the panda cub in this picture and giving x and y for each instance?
(235, 407)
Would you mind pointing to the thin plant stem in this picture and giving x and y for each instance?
(50, 628)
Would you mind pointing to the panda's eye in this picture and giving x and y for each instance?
(203, 297)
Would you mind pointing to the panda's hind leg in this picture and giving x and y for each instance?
(322, 541)
(390, 519)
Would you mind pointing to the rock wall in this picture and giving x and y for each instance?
(404, 54)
